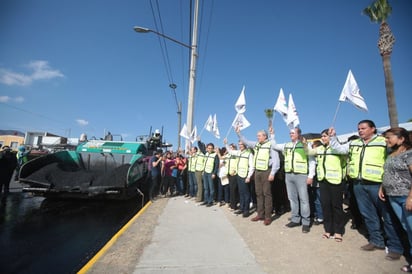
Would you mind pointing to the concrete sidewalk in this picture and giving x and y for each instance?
(196, 239)
(176, 235)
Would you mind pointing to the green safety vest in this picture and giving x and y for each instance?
(366, 160)
(330, 167)
(296, 160)
(200, 161)
(243, 163)
(262, 156)
(210, 162)
(232, 164)
(192, 163)
(21, 158)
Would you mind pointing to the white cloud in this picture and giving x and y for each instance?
(40, 70)
(82, 122)
(6, 99)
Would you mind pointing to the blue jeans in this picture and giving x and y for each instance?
(314, 198)
(244, 194)
(208, 187)
(179, 183)
(299, 198)
(192, 184)
(404, 216)
(371, 209)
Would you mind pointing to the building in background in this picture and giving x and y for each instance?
(11, 138)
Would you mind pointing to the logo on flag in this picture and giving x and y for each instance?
(240, 105)
(240, 122)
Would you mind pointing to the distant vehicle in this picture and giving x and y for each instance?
(96, 169)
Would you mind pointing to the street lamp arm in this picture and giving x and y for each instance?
(146, 30)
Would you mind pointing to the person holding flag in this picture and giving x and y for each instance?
(243, 171)
(366, 161)
(299, 172)
(210, 172)
(266, 163)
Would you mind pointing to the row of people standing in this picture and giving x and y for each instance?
(362, 161)
(166, 174)
(208, 165)
(365, 169)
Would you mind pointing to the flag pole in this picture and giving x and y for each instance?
(200, 134)
(336, 114)
(227, 134)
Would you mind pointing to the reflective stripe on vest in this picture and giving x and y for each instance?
(243, 164)
(330, 167)
(262, 156)
(210, 162)
(296, 160)
(366, 160)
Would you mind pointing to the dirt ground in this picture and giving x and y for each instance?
(276, 248)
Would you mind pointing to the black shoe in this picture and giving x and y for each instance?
(237, 212)
(292, 224)
(245, 214)
(209, 204)
(305, 228)
(204, 203)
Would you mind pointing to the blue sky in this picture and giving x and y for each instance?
(72, 67)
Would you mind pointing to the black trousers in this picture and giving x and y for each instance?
(331, 199)
(233, 191)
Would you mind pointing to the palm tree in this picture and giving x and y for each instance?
(378, 12)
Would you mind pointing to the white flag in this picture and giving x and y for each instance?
(240, 122)
(240, 105)
(281, 106)
(184, 133)
(209, 124)
(215, 128)
(293, 118)
(193, 135)
(351, 93)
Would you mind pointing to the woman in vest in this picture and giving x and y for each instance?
(330, 170)
(222, 180)
(365, 168)
(232, 177)
(397, 180)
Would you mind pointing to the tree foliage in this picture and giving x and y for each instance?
(379, 11)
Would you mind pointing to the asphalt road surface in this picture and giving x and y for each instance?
(38, 235)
